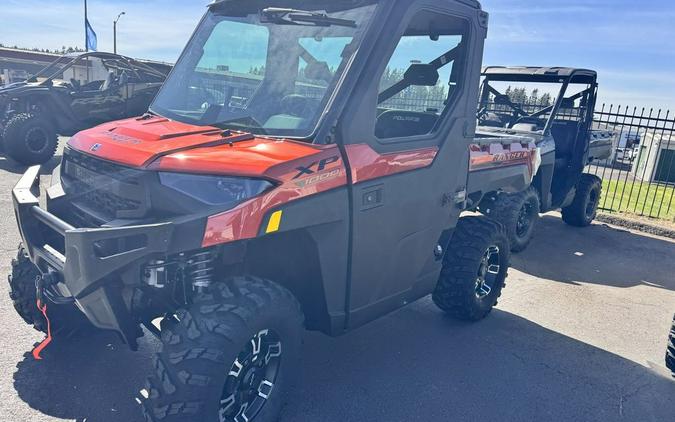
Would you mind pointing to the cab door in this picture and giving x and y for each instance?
(97, 96)
(406, 134)
(96, 106)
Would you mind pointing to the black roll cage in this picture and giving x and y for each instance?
(566, 76)
(108, 58)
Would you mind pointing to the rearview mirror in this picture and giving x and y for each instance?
(502, 100)
(422, 75)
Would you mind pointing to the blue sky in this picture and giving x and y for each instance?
(630, 42)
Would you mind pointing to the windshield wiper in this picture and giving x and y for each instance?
(247, 123)
(281, 16)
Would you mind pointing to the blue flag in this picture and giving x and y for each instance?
(92, 40)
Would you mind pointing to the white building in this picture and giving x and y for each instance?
(656, 158)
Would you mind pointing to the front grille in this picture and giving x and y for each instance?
(103, 168)
(104, 189)
(101, 200)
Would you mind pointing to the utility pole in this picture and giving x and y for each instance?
(115, 31)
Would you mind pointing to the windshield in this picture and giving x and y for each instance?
(264, 70)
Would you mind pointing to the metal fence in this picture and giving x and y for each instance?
(639, 178)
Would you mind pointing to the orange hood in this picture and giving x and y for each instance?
(163, 144)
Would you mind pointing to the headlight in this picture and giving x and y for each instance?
(215, 190)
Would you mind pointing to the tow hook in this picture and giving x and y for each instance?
(43, 282)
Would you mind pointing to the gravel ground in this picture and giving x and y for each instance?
(579, 335)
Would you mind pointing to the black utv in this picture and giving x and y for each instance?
(562, 128)
(74, 93)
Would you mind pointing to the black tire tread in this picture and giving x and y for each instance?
(66, 320)
(24, 298)
(471, 239)
(193, 346)
(670, 352)
(506, 210)
(3, 123)
(22, 290)
(575, 214)
(14, 144)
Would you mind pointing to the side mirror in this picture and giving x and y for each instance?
(422, 75)
(567, 103)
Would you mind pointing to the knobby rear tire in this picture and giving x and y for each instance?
(506, 209)
(584, 208)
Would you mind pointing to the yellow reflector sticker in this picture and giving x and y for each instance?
(275, 222)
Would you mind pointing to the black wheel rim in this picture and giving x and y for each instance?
(525, 218)
(37, 140)
(488, 272)
(592, 206)
(251, 379)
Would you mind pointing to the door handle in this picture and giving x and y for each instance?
(372, 197)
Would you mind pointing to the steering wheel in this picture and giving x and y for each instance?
(205, 96)
(482, 113)
(75, 84)
(297, 105)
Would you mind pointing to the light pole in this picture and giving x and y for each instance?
(115, 31)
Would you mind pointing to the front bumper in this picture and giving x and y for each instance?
(83, 272)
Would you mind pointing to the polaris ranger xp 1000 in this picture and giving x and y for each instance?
(563, 130)
(295, 170)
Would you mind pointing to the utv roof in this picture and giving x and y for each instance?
(472, 3)
(540, 74)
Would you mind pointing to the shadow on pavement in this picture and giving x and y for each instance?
(11, 166)
(420, 366)
(92, 379)
(414, 365)
(599, 255)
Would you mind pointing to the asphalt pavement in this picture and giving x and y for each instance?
(579, 335)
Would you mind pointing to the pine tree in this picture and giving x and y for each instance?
(509, 92)
(546, 100)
